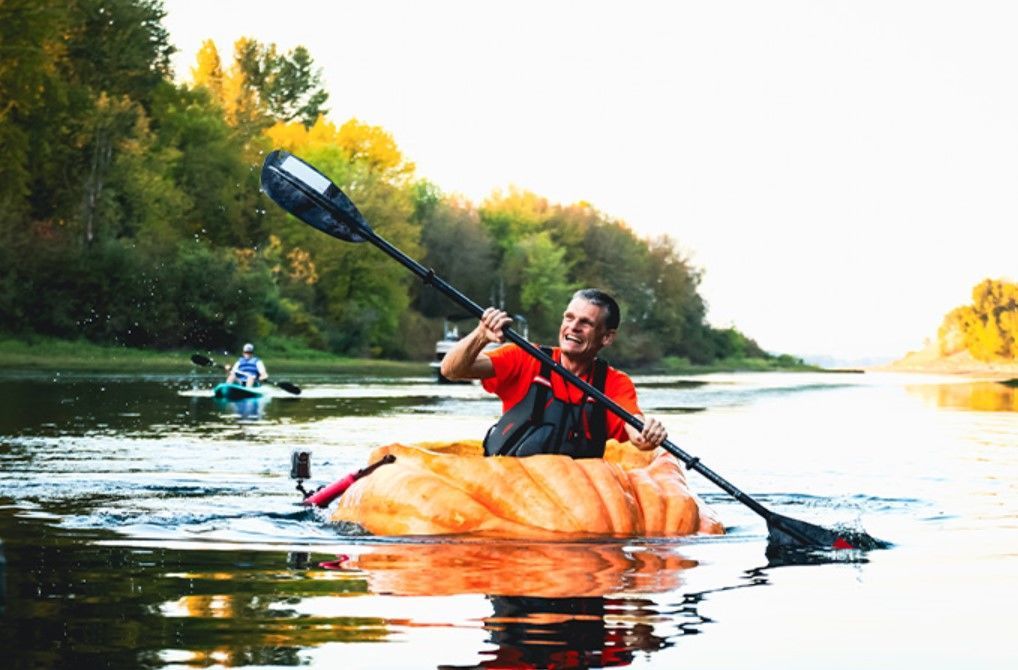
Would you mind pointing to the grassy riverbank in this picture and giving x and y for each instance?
(44, 353)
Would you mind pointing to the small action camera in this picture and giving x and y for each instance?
(300, 464)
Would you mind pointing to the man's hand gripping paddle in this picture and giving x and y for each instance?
(309, 195)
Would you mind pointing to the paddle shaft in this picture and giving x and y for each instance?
(428, 276)
(340, 218)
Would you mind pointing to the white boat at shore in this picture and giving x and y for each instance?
(451, 335)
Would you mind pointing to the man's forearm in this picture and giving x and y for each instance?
(459, 363)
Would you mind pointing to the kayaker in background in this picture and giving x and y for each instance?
(248, 370)
(569, 422)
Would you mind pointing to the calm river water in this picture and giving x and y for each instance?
(143, 524)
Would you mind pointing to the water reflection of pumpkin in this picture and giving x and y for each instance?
(453, 489)
(546, 570)
(980, 396)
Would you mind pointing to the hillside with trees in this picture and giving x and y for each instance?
(130, 211)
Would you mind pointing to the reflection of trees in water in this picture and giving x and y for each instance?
(979, 396)
(3, 578)
(71, 603)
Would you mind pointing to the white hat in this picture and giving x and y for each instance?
(248, 347)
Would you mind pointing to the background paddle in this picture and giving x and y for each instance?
(309, 195)
(205, 361)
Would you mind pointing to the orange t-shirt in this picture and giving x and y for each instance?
(515, 369)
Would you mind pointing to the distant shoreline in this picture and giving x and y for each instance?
(962, 364)
(54, 354)
(51, 354)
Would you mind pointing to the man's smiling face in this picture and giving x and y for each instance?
(583, 332)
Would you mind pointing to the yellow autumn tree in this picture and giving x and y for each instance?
(368, 146)
(511, 215)
(375, 148)
(229, 87)
(988, 328)
(208, 70)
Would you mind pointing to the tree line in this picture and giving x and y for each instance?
(130, 210)
(988, 327)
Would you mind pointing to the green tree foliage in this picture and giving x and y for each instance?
(361, 293)
(190, 293)
(456, 246)
(118, 47)
(140, 199)
(545, 250)
(130, 212)
(514, 214)
(288, 85)
(206, 158)
(76, 80)
(987, 328)
(541, 270)
(117, 56)
(30, 53)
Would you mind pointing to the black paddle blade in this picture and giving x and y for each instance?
(310, 196)
(289, 388)
(787, 532)
(202, 361)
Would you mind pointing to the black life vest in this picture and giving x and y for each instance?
(544, 424)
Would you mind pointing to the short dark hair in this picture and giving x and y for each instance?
(602, 299)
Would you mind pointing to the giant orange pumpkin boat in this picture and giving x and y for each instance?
(438, 489)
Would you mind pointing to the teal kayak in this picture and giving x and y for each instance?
(236, 392)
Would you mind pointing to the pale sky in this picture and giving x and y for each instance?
(843, 172)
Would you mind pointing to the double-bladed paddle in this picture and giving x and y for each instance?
(309, 195)
(206, 362)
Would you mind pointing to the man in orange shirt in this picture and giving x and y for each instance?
(568, 422)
